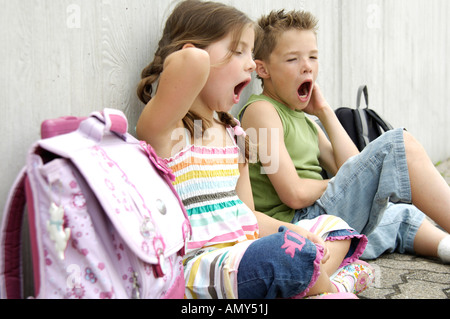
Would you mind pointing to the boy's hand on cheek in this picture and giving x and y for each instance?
(317, 104)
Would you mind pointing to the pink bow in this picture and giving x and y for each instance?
(157, 161)
(238, 130)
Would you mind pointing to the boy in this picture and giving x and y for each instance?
(363, 192)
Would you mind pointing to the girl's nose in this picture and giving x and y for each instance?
(251, 65)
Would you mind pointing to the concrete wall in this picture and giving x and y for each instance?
(72, 57)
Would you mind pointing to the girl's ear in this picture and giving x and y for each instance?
(188, 45)
(261, 69)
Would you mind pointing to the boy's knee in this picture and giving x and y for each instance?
(412, 147)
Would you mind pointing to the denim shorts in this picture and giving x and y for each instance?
(282, 265)
(365, 188)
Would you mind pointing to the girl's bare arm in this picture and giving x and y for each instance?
(184, 76)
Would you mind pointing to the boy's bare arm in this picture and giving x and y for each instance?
(340, 147)
(336, 151)
(268, 225)
(294, 191)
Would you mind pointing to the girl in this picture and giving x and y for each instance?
(203, 63)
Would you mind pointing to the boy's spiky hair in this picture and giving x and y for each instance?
(276, 22)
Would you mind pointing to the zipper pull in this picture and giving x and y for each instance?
(160, 268)
(135, 294)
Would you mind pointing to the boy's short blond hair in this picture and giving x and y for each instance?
(277, 22)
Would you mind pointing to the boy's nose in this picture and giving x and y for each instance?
(306, 67)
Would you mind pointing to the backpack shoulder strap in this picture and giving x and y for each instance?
(362, 89)
(363, 128)
(382, 123)
(10, 240)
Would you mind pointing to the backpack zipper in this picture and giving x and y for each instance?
(135, 293)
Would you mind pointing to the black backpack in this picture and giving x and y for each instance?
(362, 125)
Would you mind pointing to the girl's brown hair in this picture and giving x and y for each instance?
(199, 23)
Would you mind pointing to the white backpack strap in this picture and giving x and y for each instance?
(10, 240)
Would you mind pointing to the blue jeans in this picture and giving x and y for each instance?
(396, 231)
(363, 190)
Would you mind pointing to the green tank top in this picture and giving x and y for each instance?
(302, 142)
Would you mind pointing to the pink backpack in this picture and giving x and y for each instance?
(104, 218)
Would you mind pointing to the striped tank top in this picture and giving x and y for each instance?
(222, 225)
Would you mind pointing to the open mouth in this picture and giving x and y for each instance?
(304, 91)
(238, 90)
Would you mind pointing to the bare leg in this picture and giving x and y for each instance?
(346, 281)
(427, 239)
(322, 285)
(430, 192)
(338, 250)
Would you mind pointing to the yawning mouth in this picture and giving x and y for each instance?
(238, 90)
(305, 90)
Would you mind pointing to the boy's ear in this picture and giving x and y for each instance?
(261, 69)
